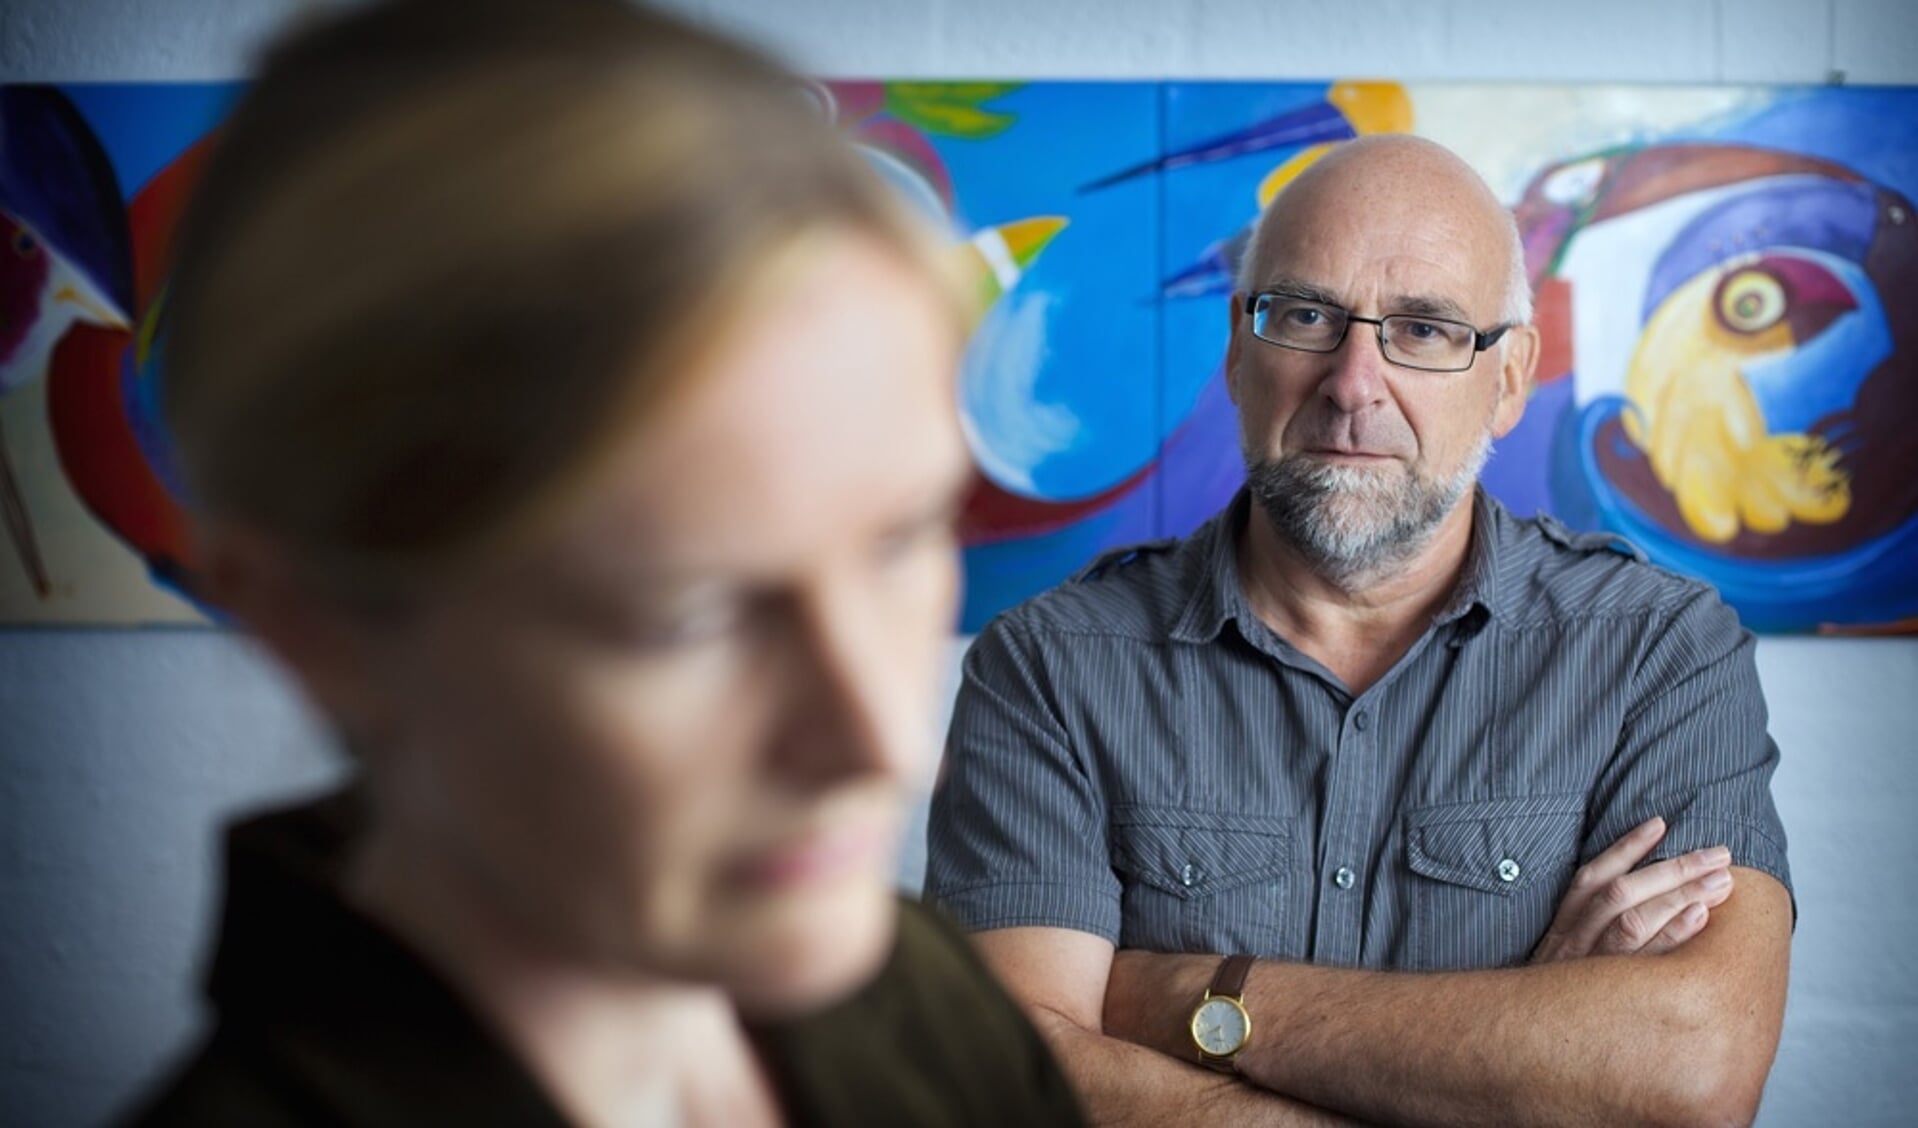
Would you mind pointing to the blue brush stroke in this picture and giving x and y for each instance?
(144, 126)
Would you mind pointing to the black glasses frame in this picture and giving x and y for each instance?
(1482, 339)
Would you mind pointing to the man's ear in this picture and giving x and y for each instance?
(322, 641)
(1515, 371)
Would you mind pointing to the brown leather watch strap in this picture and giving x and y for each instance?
(1230, 978)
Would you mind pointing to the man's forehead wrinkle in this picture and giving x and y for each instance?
(1428, 305)
(1294, 287)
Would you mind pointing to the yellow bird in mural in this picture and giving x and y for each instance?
(995, 258)
(1693, 411)
(1368, 107)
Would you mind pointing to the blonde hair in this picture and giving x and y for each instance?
(447, 250)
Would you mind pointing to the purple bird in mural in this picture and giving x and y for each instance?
(1780, 251)
(64, 258)
(1810, 458)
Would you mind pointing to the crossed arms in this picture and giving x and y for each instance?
(1655, 996)
(1632, 1011)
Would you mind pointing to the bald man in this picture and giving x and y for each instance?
(1369, 800)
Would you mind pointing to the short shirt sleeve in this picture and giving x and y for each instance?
(1694, 748)
(1017, 831)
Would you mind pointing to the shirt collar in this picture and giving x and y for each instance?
(1478, 585)
(1219, 597)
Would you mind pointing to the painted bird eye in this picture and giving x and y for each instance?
(1751, 301)
(24, 244)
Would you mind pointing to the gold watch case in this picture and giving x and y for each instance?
(1220, 1026)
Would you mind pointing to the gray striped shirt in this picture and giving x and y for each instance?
(1136, 755)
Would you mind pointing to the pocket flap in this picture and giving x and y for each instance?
(1495, 845)
(1198, 853)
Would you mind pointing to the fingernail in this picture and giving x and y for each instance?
(1650, 824)
(1715, 856)
(1716, 881)
(1694, 913)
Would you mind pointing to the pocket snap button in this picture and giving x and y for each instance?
(1508, 870)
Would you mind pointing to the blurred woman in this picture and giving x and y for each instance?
(572, 415)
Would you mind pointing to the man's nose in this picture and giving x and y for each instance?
(1356, 378)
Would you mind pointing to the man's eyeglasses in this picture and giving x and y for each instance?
(1429, 344)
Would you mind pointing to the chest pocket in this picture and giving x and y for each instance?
(1202, 881)
(1489, 875)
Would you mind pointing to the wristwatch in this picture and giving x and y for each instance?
(1220, 1024)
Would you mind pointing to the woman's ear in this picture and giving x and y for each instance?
(323, 641)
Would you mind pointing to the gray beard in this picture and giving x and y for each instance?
(1355, 525)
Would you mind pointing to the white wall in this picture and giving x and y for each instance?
(119, 750)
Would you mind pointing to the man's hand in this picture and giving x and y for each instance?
(1613, 910)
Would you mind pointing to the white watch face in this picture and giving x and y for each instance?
(1220, 1027)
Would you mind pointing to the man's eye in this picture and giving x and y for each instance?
(1422, 330)
(1305, 317)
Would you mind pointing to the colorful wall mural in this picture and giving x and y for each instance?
(1726, 281)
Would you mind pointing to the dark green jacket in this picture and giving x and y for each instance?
(325, 1018)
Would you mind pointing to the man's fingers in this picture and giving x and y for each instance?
(1613, 908)
(1640, 927)
(1572, 933)
(1656, 880)
(1630, 849)
(1607, 885)
(1597, 911)
(1660, 878)
(1617, 860)
(1687, 924)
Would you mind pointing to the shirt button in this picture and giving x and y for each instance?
(1360, 720)
(1343, 877)
(1189, 874)
(1508, 870)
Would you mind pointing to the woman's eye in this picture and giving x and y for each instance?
(902, 545)
(678, 630)
(936, 531)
